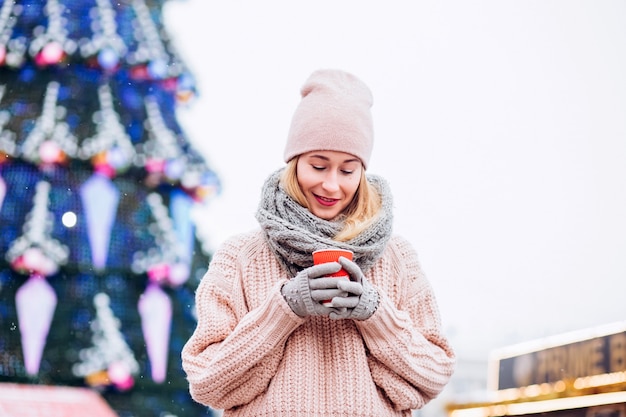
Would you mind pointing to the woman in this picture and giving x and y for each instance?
(265, 345)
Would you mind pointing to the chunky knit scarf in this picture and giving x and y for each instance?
(294, 233)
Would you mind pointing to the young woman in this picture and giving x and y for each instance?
(265, 345)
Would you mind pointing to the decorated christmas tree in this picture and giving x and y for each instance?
(98, 254)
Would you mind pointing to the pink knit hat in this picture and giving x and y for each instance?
(333, 115)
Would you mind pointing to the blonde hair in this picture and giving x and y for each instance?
(360, 213)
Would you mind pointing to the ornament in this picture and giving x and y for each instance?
(50, 54)
(174, 169)
(120, 376)
(35, 302)
(179, 274)
(50, 152)
(155, 166)
(155, 309)
(3, 190)
(157, 69)
(108, 59)
(100, 199)
(158, 273)
(181, 205)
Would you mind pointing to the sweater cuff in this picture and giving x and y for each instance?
(275, 313)
(387, 319)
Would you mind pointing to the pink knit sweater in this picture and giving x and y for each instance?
(251, 356)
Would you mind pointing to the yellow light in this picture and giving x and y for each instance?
(508, 394)
(532, 390)
(545, 388)
(600, 380)
(538, 407)
(471, 412)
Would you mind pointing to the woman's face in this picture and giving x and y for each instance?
(329, 180)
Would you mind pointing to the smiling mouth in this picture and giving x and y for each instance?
(326, 201)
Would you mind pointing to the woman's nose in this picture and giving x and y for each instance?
(330, 183)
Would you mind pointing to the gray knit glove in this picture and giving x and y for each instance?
(362, 298)
(306, 290)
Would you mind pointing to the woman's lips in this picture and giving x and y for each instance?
(326, 201)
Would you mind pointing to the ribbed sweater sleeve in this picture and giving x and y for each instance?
(233, 353)
(409, 358)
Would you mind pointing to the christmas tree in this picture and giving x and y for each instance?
(98, 254)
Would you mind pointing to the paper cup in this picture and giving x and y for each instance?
(332, 255)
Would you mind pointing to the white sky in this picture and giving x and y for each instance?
(501, 126)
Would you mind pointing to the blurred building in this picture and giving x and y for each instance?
(575, 374)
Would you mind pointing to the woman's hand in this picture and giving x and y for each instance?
(306, 290)
(362, 298)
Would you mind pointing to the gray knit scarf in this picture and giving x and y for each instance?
(294, 233)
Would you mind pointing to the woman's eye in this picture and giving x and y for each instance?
(318, 168)
(347, 172)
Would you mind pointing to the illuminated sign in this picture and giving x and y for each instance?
(575, 359)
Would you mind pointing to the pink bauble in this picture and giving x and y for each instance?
(52, 53)
(49, 152)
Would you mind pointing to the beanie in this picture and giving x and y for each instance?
(333, 115)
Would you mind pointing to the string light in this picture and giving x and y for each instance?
(36, 251)
(7, 137)
(51, 43)
(50, 141)
(167, 263)
(110, 354)
(11, 50)
(111, 140)
(105, 42)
